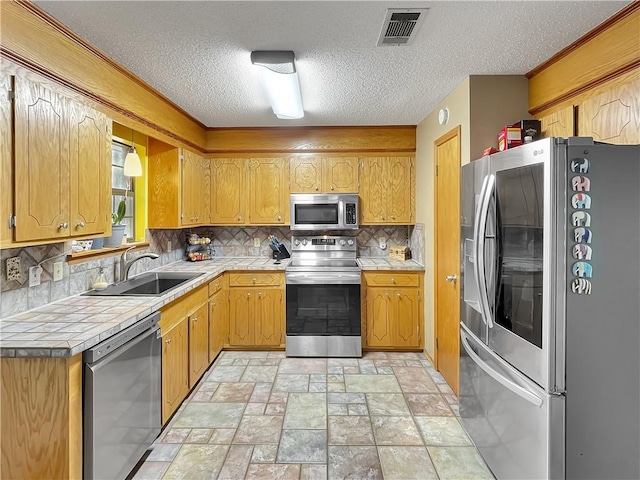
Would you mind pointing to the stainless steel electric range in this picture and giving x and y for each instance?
(323, 298)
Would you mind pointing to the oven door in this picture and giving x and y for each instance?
(323, 314)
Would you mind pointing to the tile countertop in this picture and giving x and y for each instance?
(51, 331)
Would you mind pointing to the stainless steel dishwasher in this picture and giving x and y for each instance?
(122, 407)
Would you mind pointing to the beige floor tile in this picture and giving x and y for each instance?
(406, 463)
(387, 404)
(306, 411)
(151, 471)
(210, 415)
(264, 471)
(350, 430)
(454, 463)
(354, 462)
(303, 446)
(255, 409)
(237, 461)
(442, 431)
(222, 436)
(291, 383)
(224, 373)
(233, 392)
(395, 431)
(197, 462)
(259, 373)
(372, 384)
(303, 365)
(313, 472)
(415, 380)
(430, 405)
(261, 393)
(176, 435)
(264, 454)
(259, 429)
(199, 435)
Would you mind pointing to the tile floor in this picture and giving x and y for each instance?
(259, 415)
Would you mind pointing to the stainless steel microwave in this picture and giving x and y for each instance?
(317, 211)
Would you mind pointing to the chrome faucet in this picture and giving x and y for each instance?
(125, 265)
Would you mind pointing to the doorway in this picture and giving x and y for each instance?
(447, 159)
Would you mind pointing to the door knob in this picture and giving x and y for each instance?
(451, 278)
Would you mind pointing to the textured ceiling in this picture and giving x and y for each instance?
(197, 52)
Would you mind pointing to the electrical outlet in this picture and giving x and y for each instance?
(13, 269)
(382, 241)
(169, 246)
(58, 271)
(34, 276)
(256, 242)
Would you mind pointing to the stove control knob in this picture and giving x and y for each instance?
(343, 242)
(350, 242)
(296, 242)
(304, 242)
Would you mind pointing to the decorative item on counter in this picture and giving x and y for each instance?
(198, 248)
(117, 229)
(400, 252)
(101, 281)
(81, 245)
(279, 250)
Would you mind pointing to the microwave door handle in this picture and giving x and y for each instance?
(504, 381)
(483, 295)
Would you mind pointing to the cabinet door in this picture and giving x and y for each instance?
(241, 316)
(191, 188)
(90, 157)
(268, 194)
(198, 343)
(379, 311)
(406, 314)
(560, 123)
(175, 368)
(41, 162)
(399, 189)
(228, 190)
(305, 175)
(269, 314)
(373, 191)
(218, 323)
(340, 174)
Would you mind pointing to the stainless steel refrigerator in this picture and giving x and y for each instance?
(550, 309)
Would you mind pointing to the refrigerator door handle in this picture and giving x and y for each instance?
(483, 297)
(504, 381)
(476, 236)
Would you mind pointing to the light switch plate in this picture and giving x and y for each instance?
(34, 276)
(58, 271)
(256, 242)
(13, 269)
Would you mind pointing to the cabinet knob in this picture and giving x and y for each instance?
(239, 218)
(63, 226)
(316, 188)
(393, 217)
(398, 295)
(217, 285)
(331, 187)
(451, 278)
(80, 224)
(381, 217)
(167, 341)
(393, 280)
(260, 294)
(387, 294)
(248, 295)
(195, 319)
(279, 218)
(213, 304)
(254, 279)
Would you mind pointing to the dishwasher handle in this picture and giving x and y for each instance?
(111, 344)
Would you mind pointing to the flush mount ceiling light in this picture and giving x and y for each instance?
(280, 81)
(132, 163)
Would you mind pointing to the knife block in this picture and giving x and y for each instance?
(280, 254)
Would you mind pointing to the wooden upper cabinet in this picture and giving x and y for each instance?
(6, 160)
(62, 165)
(195, 187)
(179, 187)
(324, 175)
(305, 175)
(228, 191)
(387, 190)
(90, 171)
(612, 116)
(560, 123)
(42, 125)
(268, 193)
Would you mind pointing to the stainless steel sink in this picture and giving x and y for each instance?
(152, 284)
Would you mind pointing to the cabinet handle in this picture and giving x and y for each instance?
(63, 226)
(167, 341)
(80, 224)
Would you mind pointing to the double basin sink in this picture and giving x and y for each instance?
(152, 284)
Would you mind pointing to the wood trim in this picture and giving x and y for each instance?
(626, 11)
(63, 29)
(456, 131)
(86, 255)
(31, 39)
(596, 82)
(352, 139)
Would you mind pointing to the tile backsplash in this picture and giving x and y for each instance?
(17, 297)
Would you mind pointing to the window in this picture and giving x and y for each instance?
(122, 186)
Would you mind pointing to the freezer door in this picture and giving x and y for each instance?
(522, 333)
(473, 187)
(513, 422)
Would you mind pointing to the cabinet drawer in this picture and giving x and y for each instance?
(255, 279)
(216, 285)
(392, 279)
(181, 307)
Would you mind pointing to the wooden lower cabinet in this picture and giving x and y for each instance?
(256, 312)
(175, 368)
(198, 343)
(394, 312)
(218, 322)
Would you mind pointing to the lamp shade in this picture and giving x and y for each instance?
(132, 163)
(280, 81)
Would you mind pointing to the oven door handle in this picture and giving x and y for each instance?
(316, 278)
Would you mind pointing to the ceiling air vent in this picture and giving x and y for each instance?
(401, 25)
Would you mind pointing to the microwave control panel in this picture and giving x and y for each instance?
(350, 209)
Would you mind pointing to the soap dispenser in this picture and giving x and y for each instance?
(101, 281)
